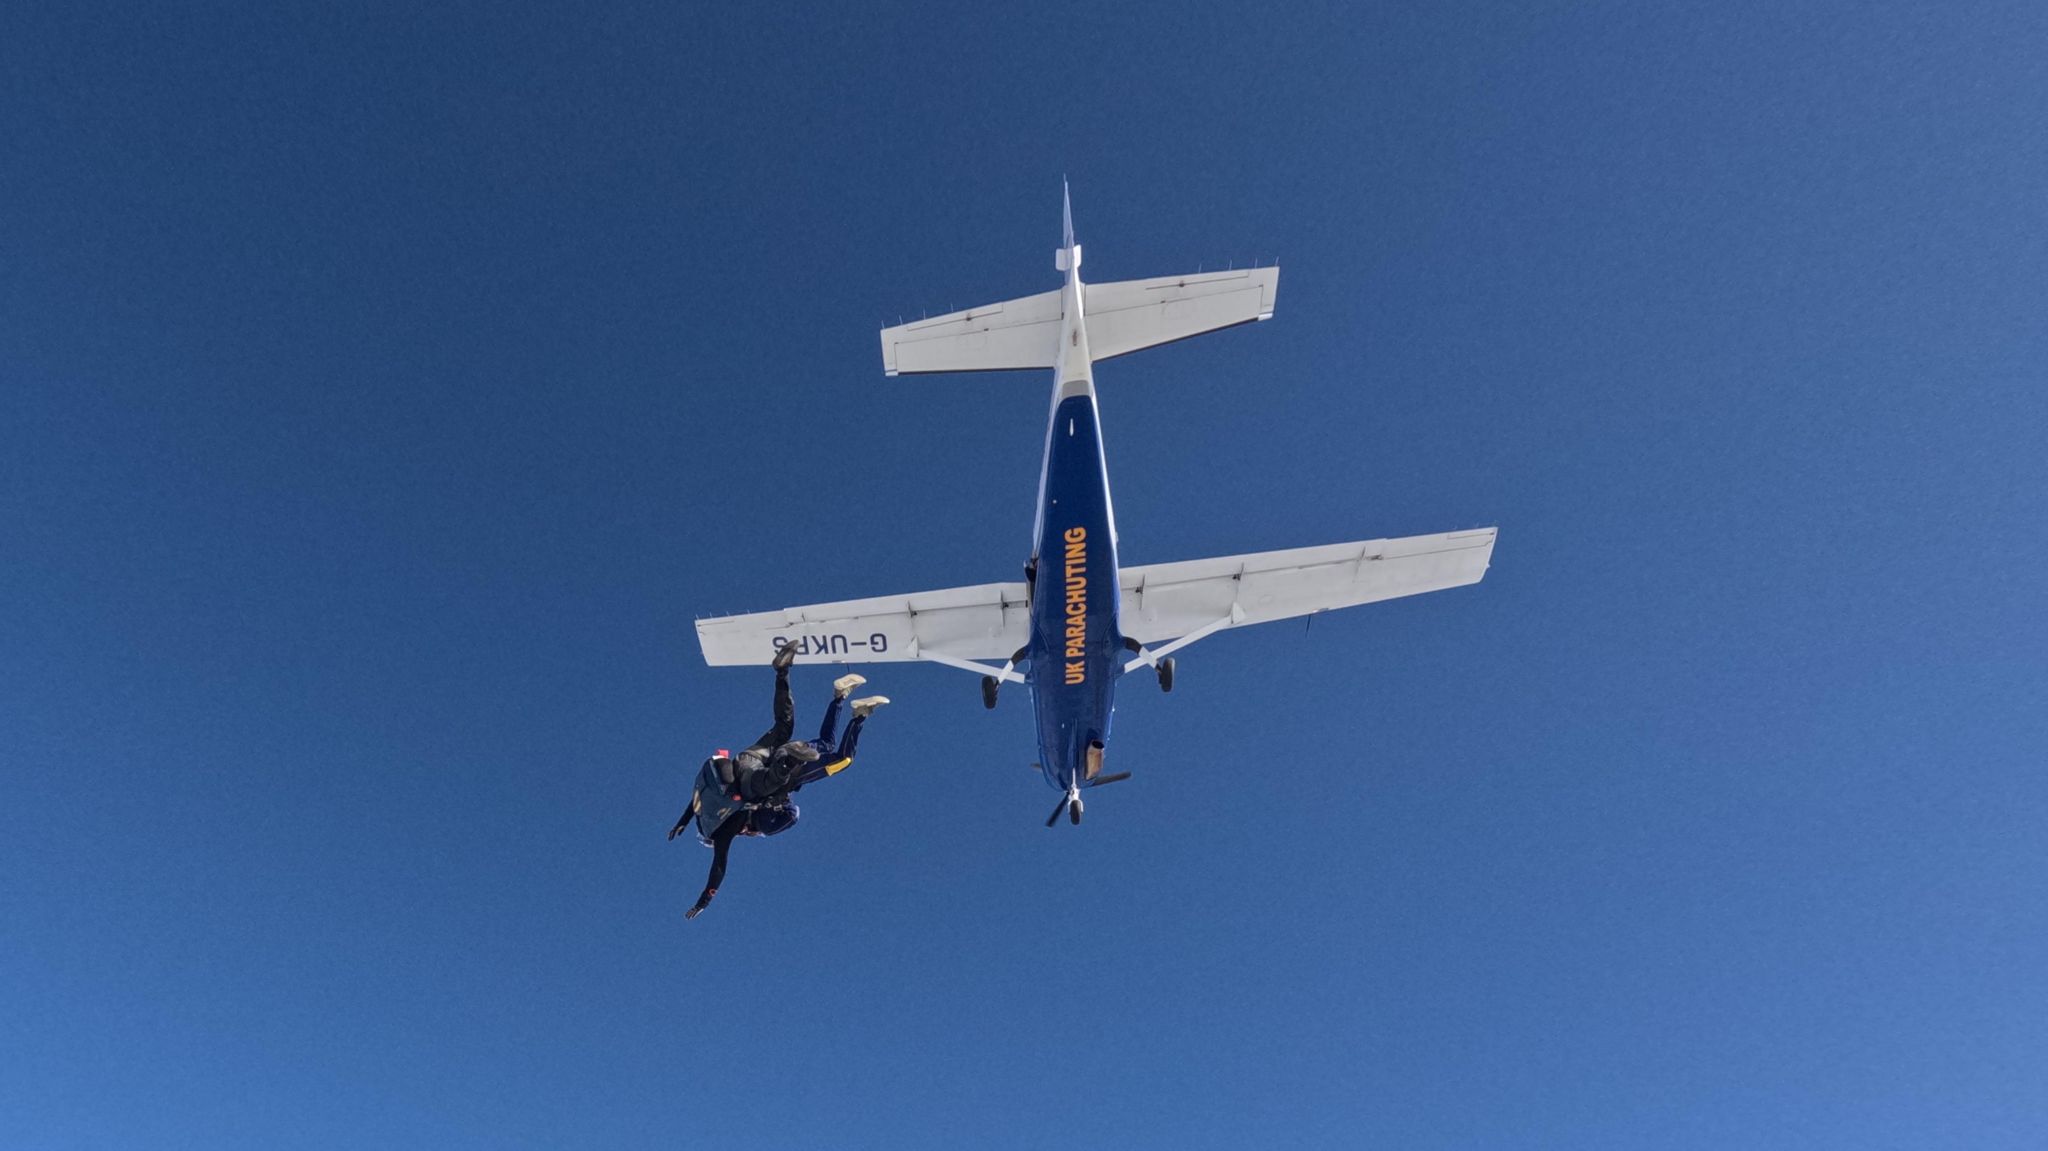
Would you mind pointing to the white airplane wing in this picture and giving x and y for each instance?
(1009, 334)
(1126, 315)
(971, 627)
(951, 626)
(1196, 597)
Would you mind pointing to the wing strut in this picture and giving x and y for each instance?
(1152, 655)
(1002, 673)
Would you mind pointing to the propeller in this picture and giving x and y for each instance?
(1071, 802)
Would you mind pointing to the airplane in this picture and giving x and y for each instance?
(1079, 620)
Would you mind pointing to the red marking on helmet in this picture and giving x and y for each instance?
(724, 753)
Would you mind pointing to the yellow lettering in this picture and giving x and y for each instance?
(1076, 602)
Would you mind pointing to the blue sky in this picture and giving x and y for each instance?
(383, 393)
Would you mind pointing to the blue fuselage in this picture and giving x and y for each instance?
(1076, 647)
(1075, 643)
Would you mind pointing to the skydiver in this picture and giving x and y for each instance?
(749, 794)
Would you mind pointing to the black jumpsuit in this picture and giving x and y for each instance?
(767, 771)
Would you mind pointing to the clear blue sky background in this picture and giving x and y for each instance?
(383, 392)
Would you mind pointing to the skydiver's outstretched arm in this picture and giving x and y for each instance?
(689, 813)
(721, 842)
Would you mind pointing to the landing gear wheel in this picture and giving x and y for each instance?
(1074, 811)
(988, 692)
(1166, 674)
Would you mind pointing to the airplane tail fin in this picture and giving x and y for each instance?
(1068, 257)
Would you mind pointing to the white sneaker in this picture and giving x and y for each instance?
(844, 685)
(862, 708)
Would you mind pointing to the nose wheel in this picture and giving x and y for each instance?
(1069, 803)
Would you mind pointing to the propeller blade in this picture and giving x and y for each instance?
(1116, 777)
(1057, 808)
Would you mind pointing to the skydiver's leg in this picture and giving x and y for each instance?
(833, 760)
(785, 712)
(828, 762)
(841, 688)
(826, 728)
(782, 773)
(828, 759)
(852, 736)
(862, 709)
(721, 843)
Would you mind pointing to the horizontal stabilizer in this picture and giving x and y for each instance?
(1126, 315)
(1004, 336)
